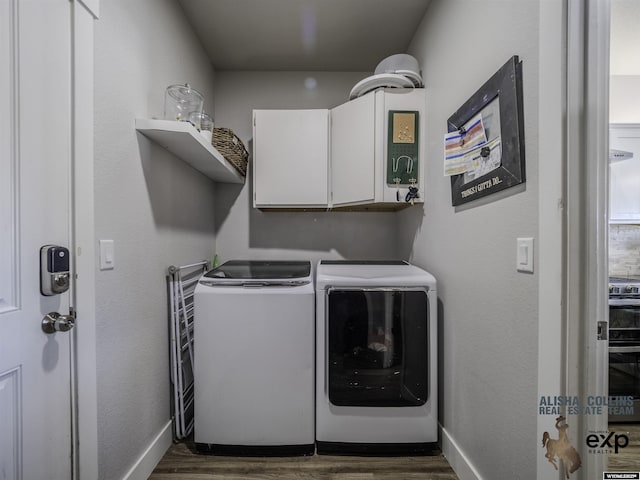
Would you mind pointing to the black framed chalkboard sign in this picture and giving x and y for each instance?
(499, 163)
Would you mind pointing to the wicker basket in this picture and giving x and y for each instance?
(231, 148)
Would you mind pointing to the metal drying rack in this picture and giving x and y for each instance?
(182, 284)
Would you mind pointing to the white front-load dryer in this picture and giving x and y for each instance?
(254, 328)
(376, 358)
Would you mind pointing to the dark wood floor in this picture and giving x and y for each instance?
(627, 459)
(181, 463)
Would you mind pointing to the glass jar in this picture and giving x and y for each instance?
(203, 122)
(180, 101)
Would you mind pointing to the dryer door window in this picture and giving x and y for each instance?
(377, 347)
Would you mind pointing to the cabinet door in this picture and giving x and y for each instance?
(353, 151)
(624, 197)
(290, 158)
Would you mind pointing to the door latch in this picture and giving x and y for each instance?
(602, 331)
(54, 322)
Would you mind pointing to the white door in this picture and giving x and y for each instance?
(353, 143)
(35, 126)
(290, 158)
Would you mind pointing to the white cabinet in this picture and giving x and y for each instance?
(363, 154)
(290, 151)
(375, 140)
(624, 175)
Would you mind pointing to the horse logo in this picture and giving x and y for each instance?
(561, 448)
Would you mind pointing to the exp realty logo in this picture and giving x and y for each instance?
(606, 443)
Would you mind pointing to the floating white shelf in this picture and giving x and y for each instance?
(185, 142)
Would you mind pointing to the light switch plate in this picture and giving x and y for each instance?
(524, 255)
(107, 255)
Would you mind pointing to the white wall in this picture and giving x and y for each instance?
(624, 68)
(624, 99)
(156, 208)
(244, 232)
(489, 311)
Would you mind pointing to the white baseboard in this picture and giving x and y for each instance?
(144, 466)
(457, 459)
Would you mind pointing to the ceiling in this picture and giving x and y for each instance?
(299, 35)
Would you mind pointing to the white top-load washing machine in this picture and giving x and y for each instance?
(376, 358)
(254, 359)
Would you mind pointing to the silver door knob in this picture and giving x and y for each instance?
(54, 322)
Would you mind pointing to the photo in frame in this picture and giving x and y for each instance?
(498, 162)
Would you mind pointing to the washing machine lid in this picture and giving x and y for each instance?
(259, 273)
